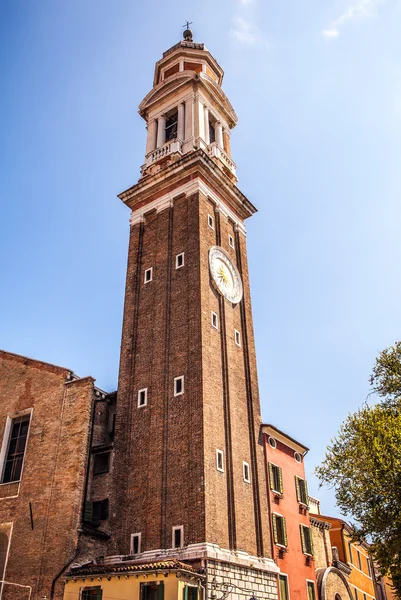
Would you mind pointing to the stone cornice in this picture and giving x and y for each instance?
(191, 166)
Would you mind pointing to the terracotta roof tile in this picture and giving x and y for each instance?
(130, 567)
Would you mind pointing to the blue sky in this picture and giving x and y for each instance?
(317, 89)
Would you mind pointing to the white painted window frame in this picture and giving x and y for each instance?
(181, 377)
(6, 439)
(281, 574)
(174, 529)
(139, 536)
(210, 221)
(245, 465)
(177, 266)
(139, 397)
(215, 326)
(231, 241)
(149, 270)
(237, 338)
(220, 453)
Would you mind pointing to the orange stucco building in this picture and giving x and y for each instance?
(356, 556)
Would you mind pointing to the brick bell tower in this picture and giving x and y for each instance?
(189, 475)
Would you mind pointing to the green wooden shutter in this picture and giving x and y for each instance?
(280, 479)
(99, 594)
(310, 540)
(302, 538)
(306, 492)
(297, 489)
(285, 538)
(271, 476)
(274, 528)
(88, 512)
(160, 595)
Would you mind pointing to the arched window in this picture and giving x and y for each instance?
(3, 553)
(337, 597)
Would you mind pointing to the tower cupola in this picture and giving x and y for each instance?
(187, 109)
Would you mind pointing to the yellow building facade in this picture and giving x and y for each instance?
(123, 580)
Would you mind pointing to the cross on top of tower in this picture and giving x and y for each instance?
(188, 33)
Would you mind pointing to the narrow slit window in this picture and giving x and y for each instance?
(219, 461)
(148, 275)
(178, 536)
(210, 221)
(143, 397)
(178, 385)
(231, 241)
(179, 260)
(237, 337)
(135, 543)
(215, 320)
(246, 472)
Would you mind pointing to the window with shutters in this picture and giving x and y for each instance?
(96, 511)
(350, 552)
(359, 560)
(306, 540)
(302, 490)
(311, 590)
(283, 581)
(91, 593)
(279, 530)
(16, 435)
(190, 592)
(152, 591)
(276, 478)
(356, 594)
(101, 463)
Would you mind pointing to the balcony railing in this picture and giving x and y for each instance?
(215, 151)
(170, 147)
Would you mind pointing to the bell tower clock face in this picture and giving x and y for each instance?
(225, 275)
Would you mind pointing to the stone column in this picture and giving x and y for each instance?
(181, 122)
(151, 139)
(227, 144)
(189, 115)
(219, 134)
(206, 122)
(161, 131)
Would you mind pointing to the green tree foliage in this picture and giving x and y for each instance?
(363, 465)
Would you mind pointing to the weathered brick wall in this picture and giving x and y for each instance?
(54, 470)
(321, 546)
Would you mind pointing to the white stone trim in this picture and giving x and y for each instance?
(195, 185)
(204, 551)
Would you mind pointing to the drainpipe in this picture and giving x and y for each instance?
(59, 574)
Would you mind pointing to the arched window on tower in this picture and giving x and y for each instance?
(212, 132)
(171, 124)
(3, 553)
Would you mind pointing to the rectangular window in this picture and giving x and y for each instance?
(135, 543)
(359, 560)
(283, 583)
(306, 540)
(91, 593)
(279, 530)
(96, 511)
(101, 463)
(148, 275)
(231, 240)
(276, 478)
(171, 126)
(152, 591)
(178, 536)
(369, 567)
(179, 260)
(210, 221)
(350, 552)
(143, 397)
(190, 592)
(219, 460)
(212, 133)
(356, 594)
(237, 337)
(16, 445)
(178, 385)
(302, 490)
(246, 472)
(311, 590)
(215, 321)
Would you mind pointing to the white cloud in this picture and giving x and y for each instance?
(245, 32)
(360, 10)
(246, 2)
